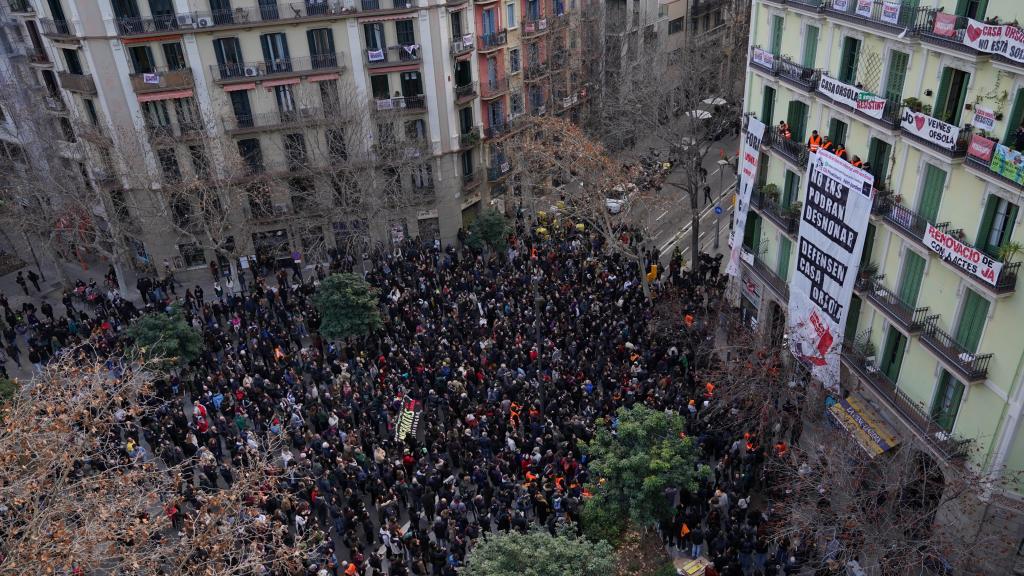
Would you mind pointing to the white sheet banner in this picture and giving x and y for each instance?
(764, 58)
(984, 118)
(890, 12)
(967, 258)
(851, 96)
(931, 129)
(864, 8)
(750, 154)
(1005, 40)
(835, 217)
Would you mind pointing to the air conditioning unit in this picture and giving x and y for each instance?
(252, 71)
(185, 21)
(204, 22)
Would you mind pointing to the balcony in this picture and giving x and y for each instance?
(173, 131)
(248, 71)
(399, 103)
(81, 83)
(499, 171)
(813, 5)
(462, 45)
(379, 5)
(58, 30)
(39, 59)
(472, 180)
(911, 320)
(402, 55)
(987, 168)
(497, 130)
(557, 59)
(22, 7)
(469, 138)
(534, 27)
(246, 16)
(162, 79)
(801, 77)
(493, 88)
(492, 41)
(465, 92)
(273, 120)
(537, 109)
(906, 19)
(536, 72)
(959, 149)
(787, 218)
(948, 34)
(913, 226)
(156, 25)
(795, 152)
(562, 102)
(909, 411)
(968, 366)
(768, 276)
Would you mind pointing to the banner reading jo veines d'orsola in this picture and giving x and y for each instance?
(749, 155)
(837, 206)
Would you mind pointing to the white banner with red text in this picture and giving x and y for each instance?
(931, 129)
(852, 97)
(967, 258)
(750, 153)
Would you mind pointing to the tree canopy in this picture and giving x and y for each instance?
(489, 230)
(348, 306)
(167, 338)
(636, 460)
(537, 553)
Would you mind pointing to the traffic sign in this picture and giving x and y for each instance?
(718, 209)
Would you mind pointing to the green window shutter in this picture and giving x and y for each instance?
(961, 99)
(910, 282)
(776, 47)
(797, 119)
(789, 192)
(768, 107)
(848, 64)
(852, 318)
(1016, 117)
(784, 249)
(837, 132)
(943, 93)
(972, 321)
(931, 193)
(987, 217)
(999, 228)
(869, 241)
(961, 7)
(897, 76)
(810, 46)
(878, 156)
(892, 354)
(752, 233)
(946, 403)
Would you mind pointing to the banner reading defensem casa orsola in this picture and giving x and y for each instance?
(750, 152)
(835, 217)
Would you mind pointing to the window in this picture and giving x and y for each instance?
(785, 248)
(768, 106)
(465, 119)
(892, 354)
(790, 189)
(404, 31)
(849, 60)
(1015, 120)
(533, 10)
(285, 98)
(200, 164)
(467, 163)
(90, 111)
(510, 11)
(321, 48)
(996, 224)
(972, 8)
(337, 149)
(514, 60)
(181, 212)
(776, 45)
(66, 130)
(374, 33)
(416, 130)
(142, 59)
(156, 114)
(71, 58)
(931, 193)
(456, 20)
(412, 85)
(169, 164)
(422, 177)
(952, 94)
(837, 130)
(810, 46)
(275, 52)
(910, 278)
(188, 114)
(676, 26)
(879, 152)
(379, 86)
(174, 56)
(897, 76)
(797, 118)
(191, 255)
(329, 96)
(869, 245)
(229, 57)
(240, 106)
(295, 151)
(946, 403)
(251, 154)
(972, 321)
(516, 103)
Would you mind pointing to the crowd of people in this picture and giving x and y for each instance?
(512, 357)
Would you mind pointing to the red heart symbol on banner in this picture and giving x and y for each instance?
(973, 33)
(919, 122)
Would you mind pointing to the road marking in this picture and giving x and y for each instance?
(708, 210)
(663, 214)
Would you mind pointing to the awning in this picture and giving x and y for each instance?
(237, 87)
(386, 18)
(873, 434)
(165, 95)
(281, 82)
(164, 38)
(322, 77)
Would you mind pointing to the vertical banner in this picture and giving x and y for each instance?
(837, 207)
(749, 155)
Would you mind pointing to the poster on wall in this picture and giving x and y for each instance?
(835, 217)
(749, 156)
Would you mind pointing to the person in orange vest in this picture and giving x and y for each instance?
(827, 145)
(814, 142)
(841, 151)
(857, 162)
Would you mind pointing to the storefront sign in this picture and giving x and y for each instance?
(764, 58)
(945, 24)
(967, 258)
(1004, 40)
(835, 217)
(864, 8)
(750, 153)
(1008, 163)
(984, 118)
(931, 129)
(981, 148)
(891, 11)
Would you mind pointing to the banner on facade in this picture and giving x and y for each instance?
(891, 12)
(967, 258)
(764, 58)
(981, 148)
(864, 8)
(945, 24)
(151, 78)
(841, 5)
(852, 97)
(835, 217)
(871, 104)
(1002, 39)
(931, 129)
(1008, 163)
(749, 157)
(984, 118)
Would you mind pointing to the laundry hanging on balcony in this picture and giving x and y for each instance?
(411, 48)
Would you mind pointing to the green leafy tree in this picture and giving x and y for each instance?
(8, 388)
(633, 466)
(489, 230)
(348, 306)
(166, 338)
(537, 553)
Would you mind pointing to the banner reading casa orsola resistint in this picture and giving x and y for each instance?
(852, 97)
(749, 155)
(837, 207)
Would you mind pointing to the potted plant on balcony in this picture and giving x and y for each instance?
(770, 192)
(917, 106)
(868, 271)
(1008, 251)
(794, 209)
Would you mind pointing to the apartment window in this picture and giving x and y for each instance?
(837, 130)
(879, 152)
(295, 151)
(405, 33)
(952, 94)
(1016, 117)
(181, 212)
(412, 84)
(972, 321)
(910, 277)
(768, 106)
(516, 103)
(510, 18)
(423, 177)
(456, 20)
(931, 193)
(301, 192)
(240, 106)
(707, 22)
(514, 60)
(946, 403)
(972, 8)
(897, 76)
(174, 56)
(379, 86)
(229, 57)
(156, 114)
(467, 163)
(776, 40)
(416, 130)
(191, 255)
(785, 249)
(285, 98)
(533, 9)
(848, 60)
(676, 26)
(466, 119)
(321, 48)
(71, 58)
(169, 164)
(90, 111)
(790, 188)
(337, 149)
(200, 164)
(67, 130)
(329, 96)
(142, 59)
(252, 155)
(188, 114)
(810, 46)
(996, 224)
(892, 354)
(374, 33)
(797, 119)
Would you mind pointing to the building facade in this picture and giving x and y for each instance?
(913, 90)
